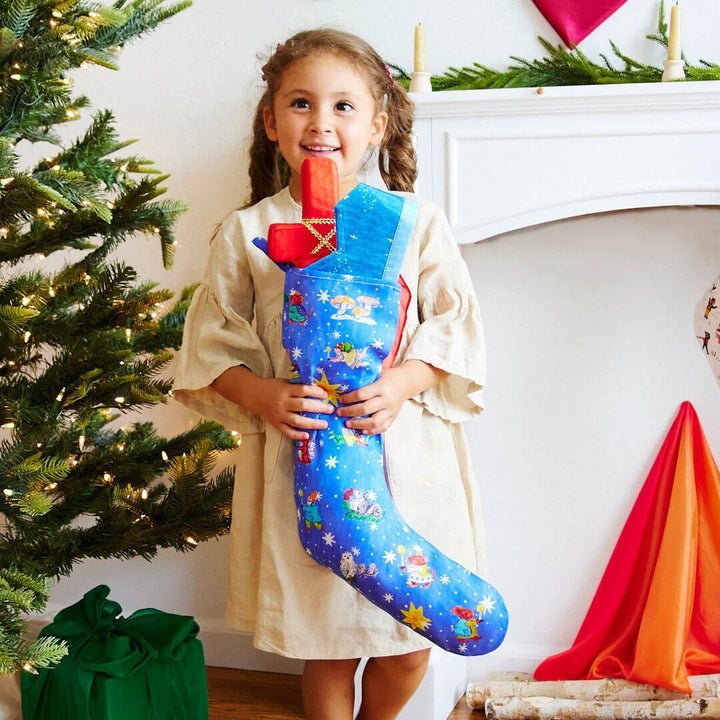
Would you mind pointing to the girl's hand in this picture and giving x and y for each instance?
(380, 401)
(285, 401)
(279, 402)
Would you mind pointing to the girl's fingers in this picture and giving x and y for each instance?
(373, 425)
(305, 405)
(309, 391)
(306, 423)
(361, 394)
(293, 433)
(362, 408)
(300, 426)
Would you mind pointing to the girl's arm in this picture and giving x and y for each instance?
(381, 401)
(279, 402)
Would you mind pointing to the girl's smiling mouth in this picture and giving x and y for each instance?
(320, 148)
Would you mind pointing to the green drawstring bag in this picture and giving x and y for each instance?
(149, 666)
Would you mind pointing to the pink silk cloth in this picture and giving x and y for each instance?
(655, 617)
(574, 20)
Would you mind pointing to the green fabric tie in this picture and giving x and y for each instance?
(149, 666)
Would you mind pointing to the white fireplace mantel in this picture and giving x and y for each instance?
(499, 160)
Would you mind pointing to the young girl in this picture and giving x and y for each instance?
(329, 94)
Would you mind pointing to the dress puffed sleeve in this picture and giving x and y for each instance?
(219, 332)
(450, 334)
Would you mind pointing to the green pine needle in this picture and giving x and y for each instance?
(561, 66)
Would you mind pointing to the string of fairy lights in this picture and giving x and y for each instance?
(132, 498)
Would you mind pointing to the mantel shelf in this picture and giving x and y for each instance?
(499, 160)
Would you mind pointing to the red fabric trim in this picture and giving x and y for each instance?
(405, 296)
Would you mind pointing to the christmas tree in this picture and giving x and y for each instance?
(86, 343)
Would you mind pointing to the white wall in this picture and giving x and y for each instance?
(588, 321)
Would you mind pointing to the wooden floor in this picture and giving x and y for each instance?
(247, 695)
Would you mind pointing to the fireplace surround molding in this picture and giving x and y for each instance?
(500, 160)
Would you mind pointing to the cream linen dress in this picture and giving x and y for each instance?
(294, 606)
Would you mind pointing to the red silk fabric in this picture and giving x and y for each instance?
(574, 20)
(655, 617)
(297, 243)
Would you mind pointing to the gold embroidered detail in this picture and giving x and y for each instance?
(310, 223)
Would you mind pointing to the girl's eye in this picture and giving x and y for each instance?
(300, 103)
(344, 106)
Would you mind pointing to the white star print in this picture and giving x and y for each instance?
(355, 551)
(371, 495)
(323, 296)
(336, 334)
(388, 597)
(349, 278)
(329, 539)
(488, 604)
(296, 353)
(444, 579)
(378, 344)
(463, 648)
(389, 556)
(331, 462)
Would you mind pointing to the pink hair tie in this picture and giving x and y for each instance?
(390, 77)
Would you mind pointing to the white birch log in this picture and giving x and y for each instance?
(548, 708)
(603, 689)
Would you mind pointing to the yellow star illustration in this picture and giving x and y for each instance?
(415, 618)
(332, 390)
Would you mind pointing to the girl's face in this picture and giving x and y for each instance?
(323, 108)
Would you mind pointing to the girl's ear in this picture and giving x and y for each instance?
(379, 125)
(270, 124)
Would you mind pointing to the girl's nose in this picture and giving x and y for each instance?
(320, 123)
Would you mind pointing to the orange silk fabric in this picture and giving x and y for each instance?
(655, 617)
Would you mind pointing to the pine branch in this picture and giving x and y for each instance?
(83, 345)
(561, 66)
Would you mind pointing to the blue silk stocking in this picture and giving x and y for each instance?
(339, 323)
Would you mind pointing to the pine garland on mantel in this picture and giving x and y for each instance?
(565, 67)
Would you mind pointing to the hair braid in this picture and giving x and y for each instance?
(398, 161)
(263, 170)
